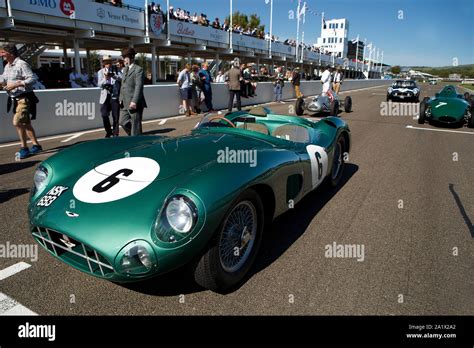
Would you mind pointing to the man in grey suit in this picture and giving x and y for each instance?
(132, 100)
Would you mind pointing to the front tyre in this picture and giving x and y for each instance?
(348, 104)
(235, 246)
(422, 115)
(299, 106)
(338, 162)
(334, 108)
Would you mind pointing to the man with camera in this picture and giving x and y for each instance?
(108, 77)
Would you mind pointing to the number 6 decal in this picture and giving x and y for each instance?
(116, 180)
(319, 164)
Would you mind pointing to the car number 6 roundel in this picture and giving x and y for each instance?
(319, 164)
(116, 180)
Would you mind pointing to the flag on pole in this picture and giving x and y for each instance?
(303, 12)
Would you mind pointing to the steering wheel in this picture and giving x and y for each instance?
(222, 118)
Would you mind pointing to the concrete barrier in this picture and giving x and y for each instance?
(72, 110)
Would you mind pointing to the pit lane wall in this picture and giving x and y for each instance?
(74, 110)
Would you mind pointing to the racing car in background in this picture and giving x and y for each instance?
(130, 208)
(404, 90)
(323, 104)
(448, 107)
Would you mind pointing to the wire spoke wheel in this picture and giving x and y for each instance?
(337, 163)
(238, 236)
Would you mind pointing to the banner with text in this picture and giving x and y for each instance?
(83, 10)
(199, 32)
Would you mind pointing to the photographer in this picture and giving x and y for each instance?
(108, 76)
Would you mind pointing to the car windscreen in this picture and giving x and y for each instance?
(404, 84)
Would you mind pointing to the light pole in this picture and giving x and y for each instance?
(381, 63)
(231, 29)
(168, 22)
(357, 51)
(297, 28)
(271, 29)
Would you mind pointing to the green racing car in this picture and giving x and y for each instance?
(448, 107)
(130, 208)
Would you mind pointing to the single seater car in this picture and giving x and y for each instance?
(448, 107)
(404, 90)
(323, 104)
(130, 208)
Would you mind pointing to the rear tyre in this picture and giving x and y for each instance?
(338, 162)
(232, 251)
(470, 122)
(299, 106)
(334, 108)
(348, 104)
(422, 115)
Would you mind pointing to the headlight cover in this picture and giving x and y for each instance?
(136, 258)
(178, 218)
(40, 178)
(180, 214)
(390, 90)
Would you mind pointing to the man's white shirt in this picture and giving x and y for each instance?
(326, 80)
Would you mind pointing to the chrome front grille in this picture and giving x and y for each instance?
(73, 252)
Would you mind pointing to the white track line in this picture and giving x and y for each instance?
(72, 137)
(162, 122)
(9, 306)
(17, 267)
(439, 130)
(82, 133)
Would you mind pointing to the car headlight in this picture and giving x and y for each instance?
(390, 90)
(40, 178)
(136, 258)
(416, 91)
(180, 214)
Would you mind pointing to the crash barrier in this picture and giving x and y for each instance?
(73, 110)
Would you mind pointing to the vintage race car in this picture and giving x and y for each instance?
(448, 107)
(404, 90)
(130, 208)
(323, 104)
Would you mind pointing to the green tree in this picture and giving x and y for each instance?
(245, 21)
(143, 62)
(93, 62)
(395, 69)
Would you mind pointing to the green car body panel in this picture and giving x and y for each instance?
(188, 167)
(447, 106)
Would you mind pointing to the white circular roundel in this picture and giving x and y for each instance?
(116, 179)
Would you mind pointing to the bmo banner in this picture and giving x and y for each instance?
(199, 32)
(83, 10)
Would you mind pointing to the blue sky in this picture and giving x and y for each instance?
(432, 32)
